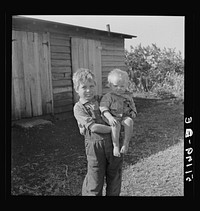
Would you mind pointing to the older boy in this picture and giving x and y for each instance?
(98, 144)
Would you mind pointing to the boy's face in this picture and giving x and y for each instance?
(118, 85)
(86, 90)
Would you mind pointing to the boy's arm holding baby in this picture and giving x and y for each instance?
(88, 122)
(99, 128)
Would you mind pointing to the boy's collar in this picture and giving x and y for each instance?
(84, 101)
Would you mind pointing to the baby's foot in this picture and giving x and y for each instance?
(116, 152)
(124, 149)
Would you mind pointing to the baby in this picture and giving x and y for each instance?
(118, 108)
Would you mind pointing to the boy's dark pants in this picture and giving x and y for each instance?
(101, 164)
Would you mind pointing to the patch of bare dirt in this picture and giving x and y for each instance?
(50, 159)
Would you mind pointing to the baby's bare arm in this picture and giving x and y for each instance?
(110, 118)
(107, 114)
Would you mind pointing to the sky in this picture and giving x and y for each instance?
(164, 31)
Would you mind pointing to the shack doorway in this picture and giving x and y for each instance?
(31, 75)
(86, 53)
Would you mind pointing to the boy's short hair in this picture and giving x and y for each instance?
(82, 75)
(119, 73)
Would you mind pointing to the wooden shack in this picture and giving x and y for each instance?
(45, 55)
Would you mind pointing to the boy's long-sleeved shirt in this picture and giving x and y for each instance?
(118, 105)
(87, 113)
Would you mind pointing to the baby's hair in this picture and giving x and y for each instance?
(117, 73)
(82, 75)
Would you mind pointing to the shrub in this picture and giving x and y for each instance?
(172, 86)
(156, 70)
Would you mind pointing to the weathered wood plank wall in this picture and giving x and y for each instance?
(111, 51)
(112, 56)
(86, 53)
(61, 68)
(31, 74)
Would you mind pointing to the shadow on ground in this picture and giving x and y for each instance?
(158, 126)
(50, 159)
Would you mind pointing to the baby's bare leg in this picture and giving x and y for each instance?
(128, 132)
(115, 138)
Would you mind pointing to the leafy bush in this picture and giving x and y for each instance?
(156, 70)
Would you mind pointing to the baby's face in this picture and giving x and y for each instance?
(119, 85)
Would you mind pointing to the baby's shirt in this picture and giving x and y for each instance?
(118, 105)
(87, 113)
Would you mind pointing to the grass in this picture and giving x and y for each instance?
(160, 174)
(51, 160)
(154, 164)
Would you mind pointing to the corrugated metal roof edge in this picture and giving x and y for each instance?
(128, 36)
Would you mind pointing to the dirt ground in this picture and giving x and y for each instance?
(50, 159)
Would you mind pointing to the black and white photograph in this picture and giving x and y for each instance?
(97, 106)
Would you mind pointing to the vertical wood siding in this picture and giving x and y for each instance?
(43, 64)
(31, 74)
(86, 53)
